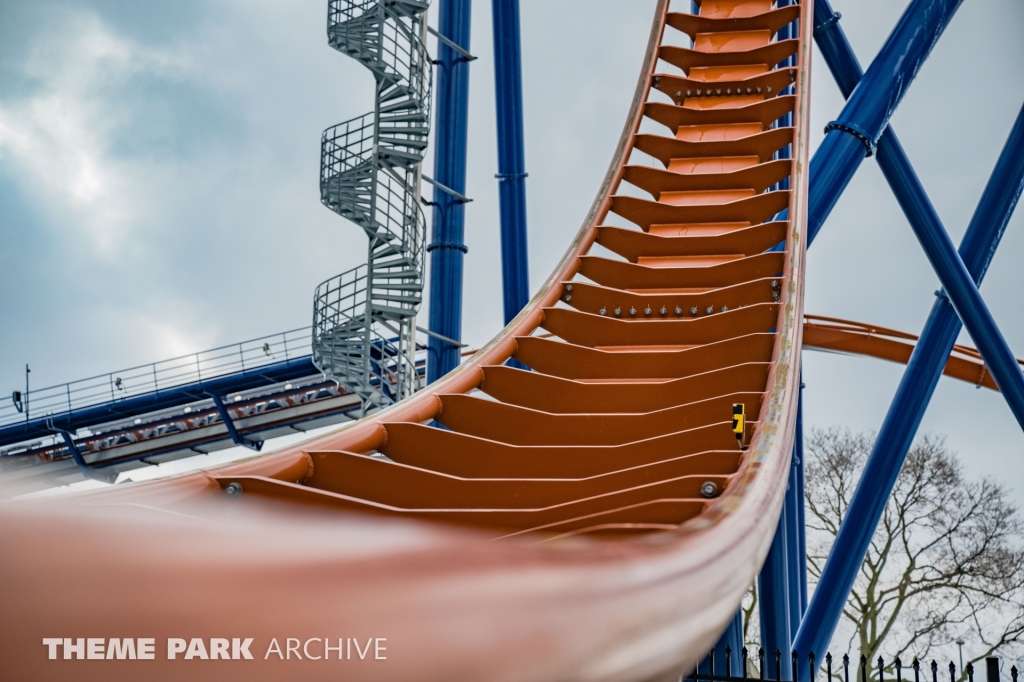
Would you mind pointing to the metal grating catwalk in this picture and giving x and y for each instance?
(639, 519)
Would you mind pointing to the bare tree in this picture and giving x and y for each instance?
(945, 562)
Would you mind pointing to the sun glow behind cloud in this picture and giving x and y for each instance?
(61, 135)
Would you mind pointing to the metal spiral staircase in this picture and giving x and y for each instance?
(364, 320)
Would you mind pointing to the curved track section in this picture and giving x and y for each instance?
(857, 338)
(632, 518)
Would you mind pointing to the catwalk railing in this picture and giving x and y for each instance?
(135, 381)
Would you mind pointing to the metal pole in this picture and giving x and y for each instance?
(915, 390)
(447, 248)
(853, 136)
(773, 600)
(508, 91)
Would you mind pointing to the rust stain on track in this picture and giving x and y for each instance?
(506, 524)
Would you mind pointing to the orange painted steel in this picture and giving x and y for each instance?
(858, 338)
(594, 518)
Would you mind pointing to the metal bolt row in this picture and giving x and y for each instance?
(617, 312)
(718, 92)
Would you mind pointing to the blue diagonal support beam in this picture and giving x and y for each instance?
(236, 437)
(956, 279)
(853, 136)
(79, 459)
(929, 357)
(924, 219)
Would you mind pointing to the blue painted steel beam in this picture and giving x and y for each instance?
(801, 549)
(908, 406)
(163, 399)
(956, 279)
(794, 518)
(508, 91)
(773, 602)
(926, 363)
(236, 437)
(775, 638)
(83, 467)
(447, 248)
(871, 103)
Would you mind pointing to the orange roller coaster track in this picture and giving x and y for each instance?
(594, 518)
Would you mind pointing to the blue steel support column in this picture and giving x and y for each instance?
(872, 102)
(447, 248)
(795, 498)
(508, 91)
(794, 519)
(798, 454)
(928, 359)
(768, 600)
(773, 600)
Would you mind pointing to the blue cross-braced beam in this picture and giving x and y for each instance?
(928, 359)
(861, 125)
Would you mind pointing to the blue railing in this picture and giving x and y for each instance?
(155, 377)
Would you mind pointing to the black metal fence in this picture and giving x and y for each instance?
(730, 668)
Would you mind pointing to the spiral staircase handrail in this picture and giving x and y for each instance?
(364, 319)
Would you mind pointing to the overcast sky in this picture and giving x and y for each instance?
(159, 183)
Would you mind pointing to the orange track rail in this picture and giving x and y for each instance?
(858, 338)
(613, 564)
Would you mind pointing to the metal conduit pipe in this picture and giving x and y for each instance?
(447, 248)
(925, 366)
(508, 91)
